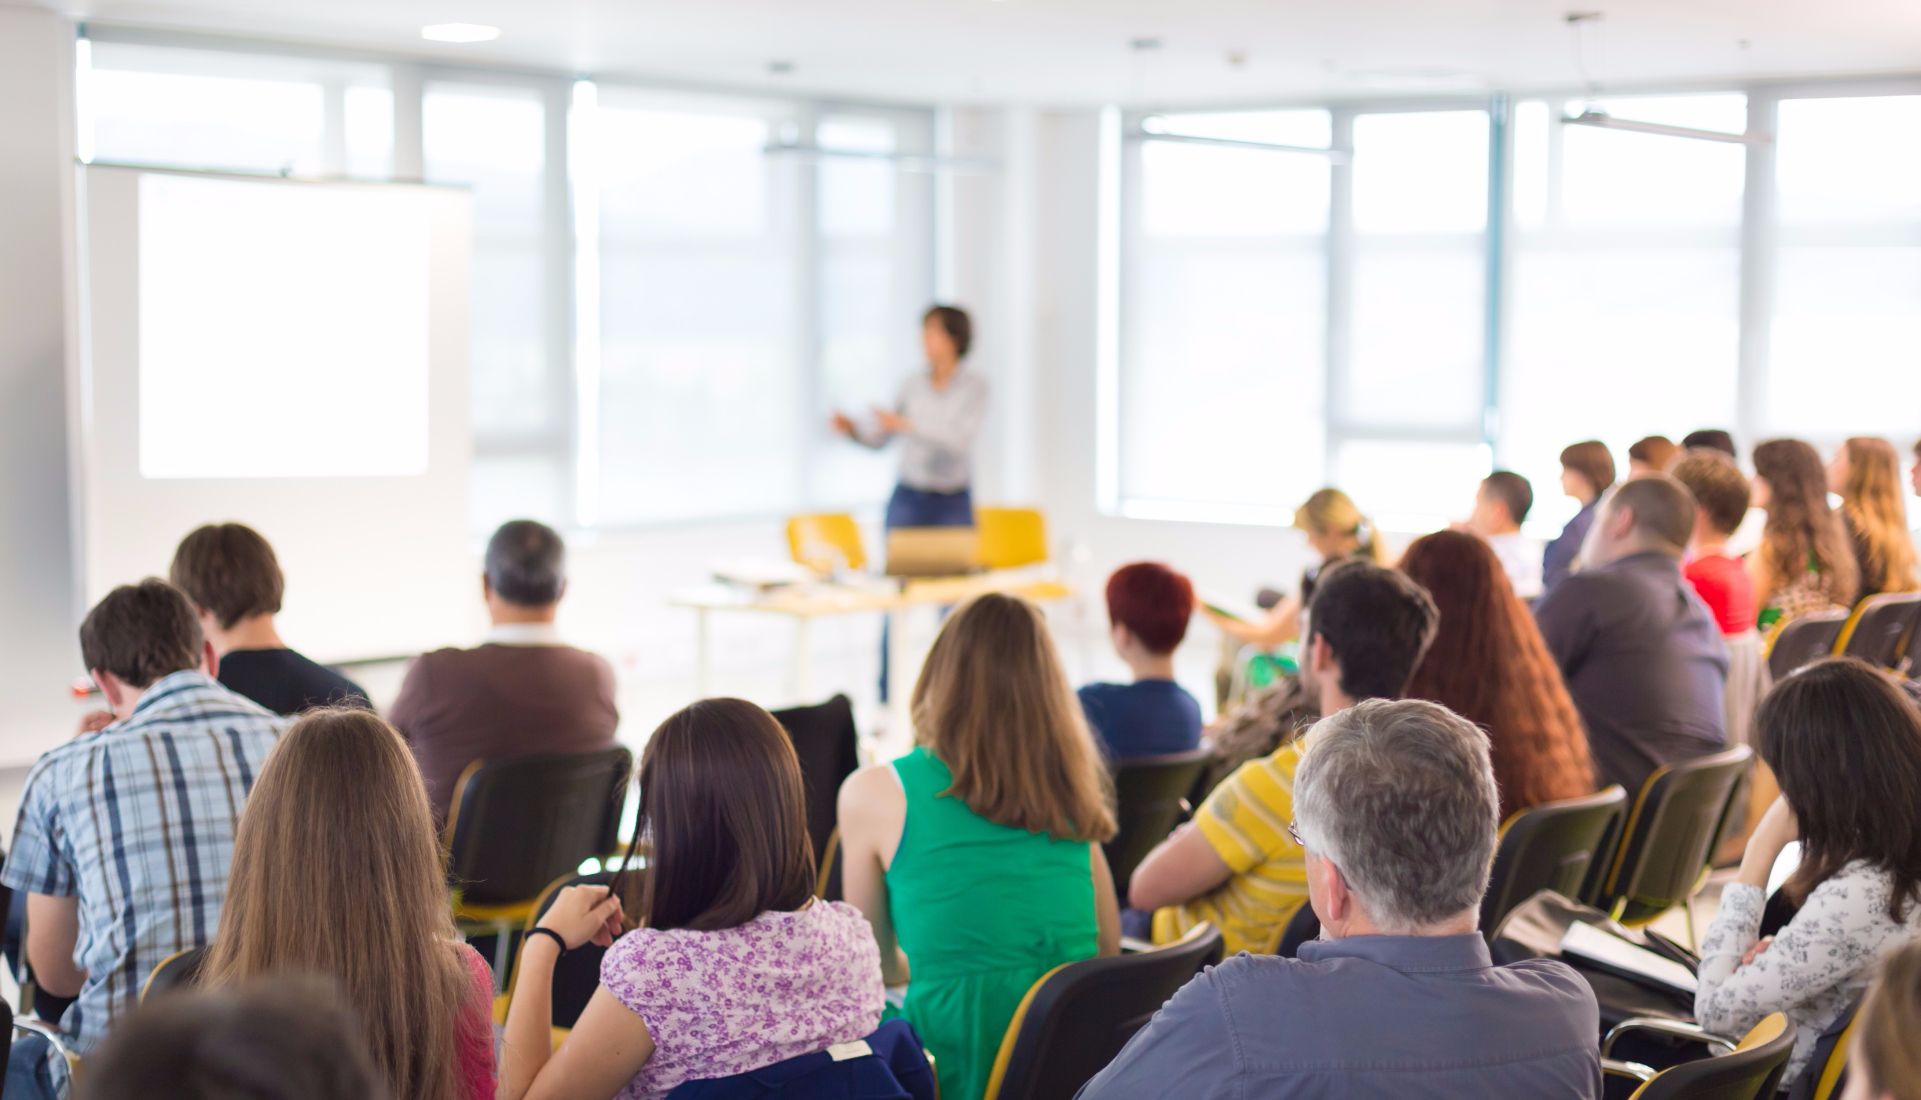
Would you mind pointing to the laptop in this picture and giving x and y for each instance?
(933, 551)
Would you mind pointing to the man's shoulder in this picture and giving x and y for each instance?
(1550, 988)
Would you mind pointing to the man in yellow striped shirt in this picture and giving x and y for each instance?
(1236, 866)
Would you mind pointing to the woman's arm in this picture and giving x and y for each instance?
(872, 810)
(1282, 624)
(607, 1048)
(581, 914)
(1107, 909)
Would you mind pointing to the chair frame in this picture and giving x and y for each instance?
(1613, 796)
(1904, 649)
(1783, 1035)
(1610, 884)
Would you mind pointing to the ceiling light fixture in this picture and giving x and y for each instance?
(459, 33)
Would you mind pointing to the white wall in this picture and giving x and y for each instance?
(39, 654)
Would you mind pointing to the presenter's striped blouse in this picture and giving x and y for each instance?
(137, 821)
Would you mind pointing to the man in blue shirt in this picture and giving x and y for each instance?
(1149, 606)
(126, 833)
(1395, 807)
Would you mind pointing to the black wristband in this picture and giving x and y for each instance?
(550, 933)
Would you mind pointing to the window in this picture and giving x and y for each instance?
(1624, 284)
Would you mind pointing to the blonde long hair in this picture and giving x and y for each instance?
(1875, 508)
(337, 872)
(1332, 512)
(993, 704)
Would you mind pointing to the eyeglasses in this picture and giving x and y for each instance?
(1294, 833)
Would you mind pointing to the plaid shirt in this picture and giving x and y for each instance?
(138, 821)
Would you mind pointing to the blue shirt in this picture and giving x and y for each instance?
(1372, 1016)
(137, 821)
(1145, 718)
(1557, 561)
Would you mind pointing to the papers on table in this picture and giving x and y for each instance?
(1591, 944)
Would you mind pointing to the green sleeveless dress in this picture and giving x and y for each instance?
(982, 910)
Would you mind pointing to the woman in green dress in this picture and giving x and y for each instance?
(976, 857)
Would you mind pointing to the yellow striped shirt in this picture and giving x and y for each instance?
(1245, 822)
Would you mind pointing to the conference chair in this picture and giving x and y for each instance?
(887, 1065)
(1078, 1016)
(178, 970)
(577, 972)
(1676, 821)
(828, 745)
(1011, 537)
(1303, 927)
(1804, 640)
(1550, 847)
(1881, 630)
(1150, 796)
(520, 822)
(1826, 1075)
(825, 542)
(1748, 1070)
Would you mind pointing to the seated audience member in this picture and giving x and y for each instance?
(1587, 471)
(523, 690)
(1721, 580)
(1712, 439)
(1500, 507)
(1235, 866)
(1845, 744)
(1866, 474)
(338, 872)
(977, 856)
(1884, 1061)
(234, 581)
(1336, 531)
(731, 963)
(291, 1038)
(1489, 665)
(1149, 606)
(125, 832)
(1639, 652)
(1804, 562)
(1396, 812)
(1650, 456)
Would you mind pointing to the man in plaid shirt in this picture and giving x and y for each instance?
(126, 832)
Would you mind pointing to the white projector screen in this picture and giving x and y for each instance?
(290, 355)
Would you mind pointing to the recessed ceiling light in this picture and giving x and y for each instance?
(459, 32)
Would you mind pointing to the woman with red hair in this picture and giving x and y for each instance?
(1489, 664)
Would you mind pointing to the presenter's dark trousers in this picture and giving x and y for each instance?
(920, 508)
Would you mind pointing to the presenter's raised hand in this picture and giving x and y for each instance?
(892, 422)
(841, 424)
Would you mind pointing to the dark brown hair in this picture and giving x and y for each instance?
(1654, 450)
(1713, 439)
(527, 563)
(227, 569)
(1802, 532)
(286, 1038)
(1378, 623)
(1591, 459)
(1512, 490)
(722, 805)
(1661, 506)
(955, 322)
(1845, 744)
(141, 632)
(1720, 490)
(1490, 665)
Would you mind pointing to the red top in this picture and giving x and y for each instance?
(1723, 584)
(474, 1043)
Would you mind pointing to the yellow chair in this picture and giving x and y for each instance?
(817, 539)
(1011, 537)
(1881, 628)
(1748, 1070)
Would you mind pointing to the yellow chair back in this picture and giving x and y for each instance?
(815, 540)
(1011, 537)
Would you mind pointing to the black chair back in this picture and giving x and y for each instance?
(1303, 927)
(1150, 796)
(1804, 640)
(1881, 631)
(519, 823)
(1670, 836)
(578, 971)
(828, 745)
(1079, 1016)
(178, 970)
(1550, 847)
(1752, 1072)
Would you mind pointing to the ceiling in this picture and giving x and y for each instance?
(1078, 51)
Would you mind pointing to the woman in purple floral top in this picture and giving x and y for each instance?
(735, 965)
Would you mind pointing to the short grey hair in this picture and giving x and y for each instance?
(1400, 795)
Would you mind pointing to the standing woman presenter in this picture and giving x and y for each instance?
(937, 417)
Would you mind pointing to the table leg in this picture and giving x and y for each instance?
(703, 662)
(900, 688)
(802, 687)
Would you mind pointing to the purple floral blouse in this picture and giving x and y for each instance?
(725, 1002)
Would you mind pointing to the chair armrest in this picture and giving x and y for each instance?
(1672, 1028)
(1632, 1070)
(29, 1026)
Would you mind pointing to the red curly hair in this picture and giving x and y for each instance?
(1489, 664)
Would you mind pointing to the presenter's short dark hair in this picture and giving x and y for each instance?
(228, 569)
(141, 632)
(527, 563)
(956, 323)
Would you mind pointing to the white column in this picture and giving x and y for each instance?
(39, 341)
